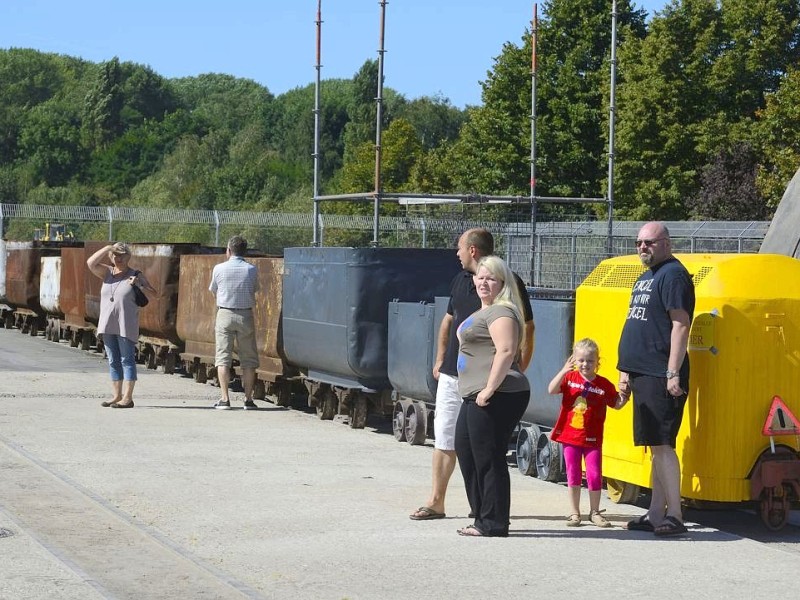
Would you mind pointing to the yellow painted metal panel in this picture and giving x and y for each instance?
(744, 349)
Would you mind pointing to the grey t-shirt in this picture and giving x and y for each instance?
(118, 311)
(476, 353)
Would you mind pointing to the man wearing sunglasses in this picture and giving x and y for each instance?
(654, 365)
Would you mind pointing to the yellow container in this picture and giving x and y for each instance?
(744, 348)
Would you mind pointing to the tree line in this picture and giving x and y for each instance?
(707, 123)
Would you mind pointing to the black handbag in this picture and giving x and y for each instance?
(139, 296)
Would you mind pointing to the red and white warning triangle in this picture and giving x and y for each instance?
(780, 420)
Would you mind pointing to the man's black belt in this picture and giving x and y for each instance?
(226, 308)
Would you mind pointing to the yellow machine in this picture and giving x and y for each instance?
(744, 350)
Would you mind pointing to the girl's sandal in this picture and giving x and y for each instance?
(599, 520)
(573, 520)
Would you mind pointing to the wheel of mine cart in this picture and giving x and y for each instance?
(55, 333)
(86, 339)
(73, 339)
(399, 420)
(8, 320)
(526, 450)
(283, 393)
(150, 359)
(200, 373)
(170, 362)
(326, 405)
(621, 492)
(774, 507)
(548, 459)
(415, 424)
(359, 409)
(259, 389)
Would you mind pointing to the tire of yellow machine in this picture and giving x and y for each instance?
(621, 492)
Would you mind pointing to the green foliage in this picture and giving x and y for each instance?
(777, 133)
(706, 114)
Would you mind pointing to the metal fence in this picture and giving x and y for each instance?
(553, 255)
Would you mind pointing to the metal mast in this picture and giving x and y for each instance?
(316, 154)
(611, 117)
(379, 127)
(534, 27)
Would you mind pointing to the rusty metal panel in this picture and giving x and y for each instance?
(50, 285)
(196, 305)
(272, 361)
(72, 291)
(92, 284)
(23, 268)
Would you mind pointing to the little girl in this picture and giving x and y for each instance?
(585, 396)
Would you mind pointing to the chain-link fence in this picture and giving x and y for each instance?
(556, 255)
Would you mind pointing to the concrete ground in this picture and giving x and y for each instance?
(175, 500)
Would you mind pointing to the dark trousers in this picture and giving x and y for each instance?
(482, 435)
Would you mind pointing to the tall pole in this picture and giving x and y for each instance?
(534, 27)
(378, 128)
(611, 117)
(316, 155)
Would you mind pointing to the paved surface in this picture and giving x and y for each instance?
(174, 500)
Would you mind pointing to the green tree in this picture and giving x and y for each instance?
(49, 141)
(102, 118)
(663, 98)
(777, 133)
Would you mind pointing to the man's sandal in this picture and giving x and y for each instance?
(670, 526)
(599, 520)
(573, 520)
(641, 524)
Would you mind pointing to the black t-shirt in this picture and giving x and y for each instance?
(645, 341)
(463, 302)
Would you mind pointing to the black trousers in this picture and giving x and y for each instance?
(482, 435)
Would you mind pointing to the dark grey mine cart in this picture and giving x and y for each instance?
(413, 332)
(335, 319)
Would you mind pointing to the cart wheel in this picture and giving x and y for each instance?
(548, 459)
(200, 373)
(359, 408)
(775, 507)
(526, 450)
(415, 424)
(399, 420)
(621, 492)
(259, 389)
(326, 405)
(283, 394)
(86, 339)
(8, 320)
(170, 362)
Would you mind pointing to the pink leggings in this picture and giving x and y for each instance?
(593, 457)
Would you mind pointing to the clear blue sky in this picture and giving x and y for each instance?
(433, 47)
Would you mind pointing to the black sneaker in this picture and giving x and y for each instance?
(250, 405)
(222, 405)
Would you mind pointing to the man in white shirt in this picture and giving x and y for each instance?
(235, 282)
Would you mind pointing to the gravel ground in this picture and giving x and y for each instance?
(174, 500)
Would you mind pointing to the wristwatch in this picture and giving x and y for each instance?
(671, 374)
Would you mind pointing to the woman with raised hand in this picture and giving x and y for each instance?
(119, 317)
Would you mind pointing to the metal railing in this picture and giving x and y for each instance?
(555, 255)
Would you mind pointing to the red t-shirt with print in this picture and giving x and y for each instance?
(583, 410)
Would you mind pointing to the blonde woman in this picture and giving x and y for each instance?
(496, 394)
(119, 317)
